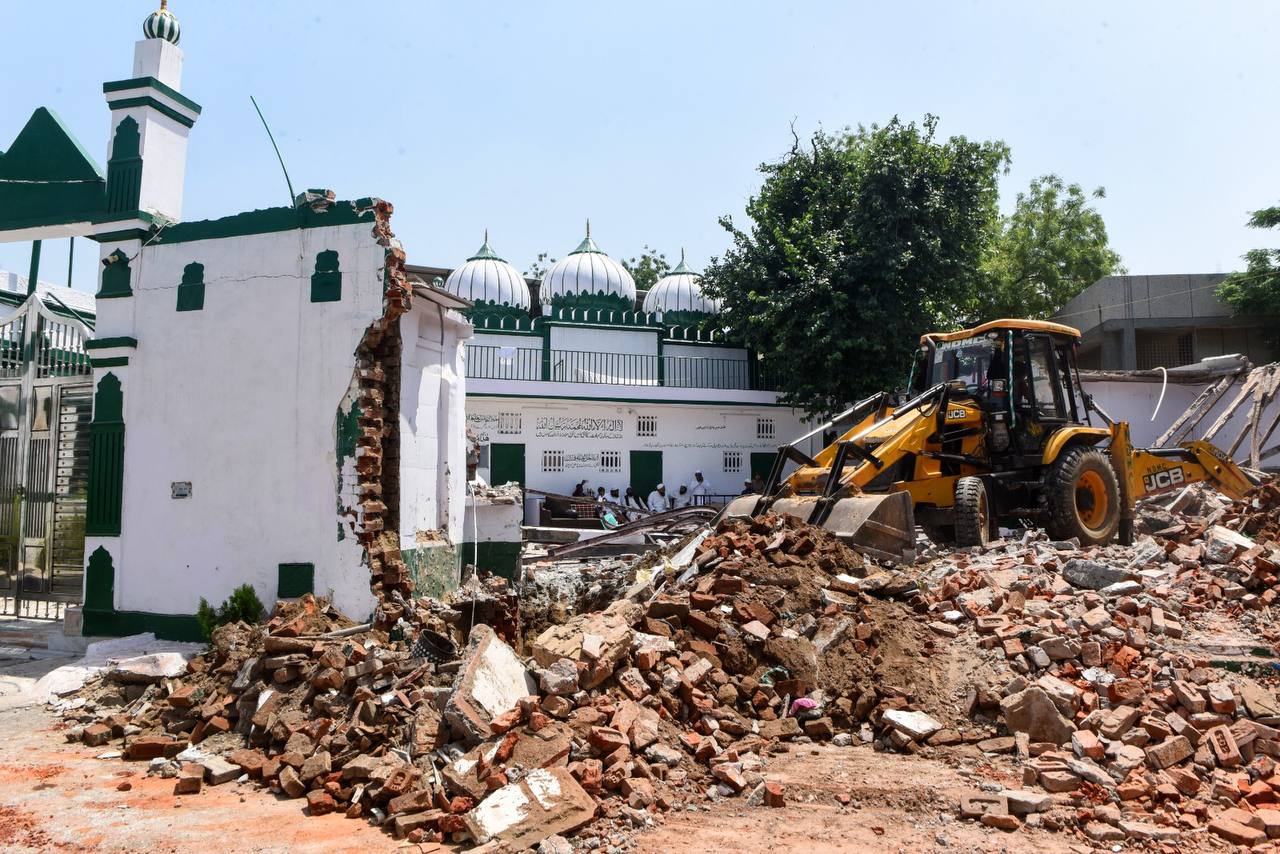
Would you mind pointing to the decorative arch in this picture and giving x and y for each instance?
(326, 281)
(124, 169)
(106, 459)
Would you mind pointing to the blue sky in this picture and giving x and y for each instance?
(650, 118)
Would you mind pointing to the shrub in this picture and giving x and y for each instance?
(242, 604)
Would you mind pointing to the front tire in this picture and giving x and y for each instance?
(972, 512)
(1082, 496)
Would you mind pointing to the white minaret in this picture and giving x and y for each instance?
(150, 119)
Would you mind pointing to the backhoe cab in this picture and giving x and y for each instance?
(996, 427)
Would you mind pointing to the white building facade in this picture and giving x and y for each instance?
(593, 381)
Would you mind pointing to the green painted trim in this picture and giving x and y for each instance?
(115, 277)
(106, 460)
(100, 581)
(582, 324)
(512, 332)
(544, 398)
(124, 169)
(113, 362)
(175, 627)
(295, 579)
(121, 236)
(156, 104)
(47, 178)
(265, 221)
(326, 281)
(191, 288)
(105, 343)
(153, 83)
(681, 342)
(499, 558)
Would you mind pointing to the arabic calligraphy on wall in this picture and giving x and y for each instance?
(576, 427)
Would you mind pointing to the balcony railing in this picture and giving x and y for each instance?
(488, 362)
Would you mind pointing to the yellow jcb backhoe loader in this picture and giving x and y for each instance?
(998, 428)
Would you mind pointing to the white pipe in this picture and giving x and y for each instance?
(1164, 375)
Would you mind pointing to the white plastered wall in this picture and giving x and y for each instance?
(240, 400)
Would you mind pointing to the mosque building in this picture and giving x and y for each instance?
(578, 376)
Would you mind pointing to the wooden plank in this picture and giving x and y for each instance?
(1255, 412)
(1257, 439)
(1199, 408)
(1246, 391)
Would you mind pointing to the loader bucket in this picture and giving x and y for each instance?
(882, 525)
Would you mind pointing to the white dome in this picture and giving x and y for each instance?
(487, 278)
(680, 290)
(587, 271)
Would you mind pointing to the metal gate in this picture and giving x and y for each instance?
(45, 408)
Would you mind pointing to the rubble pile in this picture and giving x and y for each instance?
(1129, 715)
(769, 632)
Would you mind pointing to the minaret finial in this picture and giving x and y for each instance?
(588, 226)
(486, 235)
(681, 254)
(164, 4)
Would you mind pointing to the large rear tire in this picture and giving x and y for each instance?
(1082, 496)
(972, 512)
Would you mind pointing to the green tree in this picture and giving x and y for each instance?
(539, 267)
(859, 242)
(1256, 290)
(648, 268)
(1053, 246)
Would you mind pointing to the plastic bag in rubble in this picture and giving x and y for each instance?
(774, 674)
(806, 709)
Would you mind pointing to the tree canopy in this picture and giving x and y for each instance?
(648, 268)
(1053, 246)
(859, 242)
(1256, 289)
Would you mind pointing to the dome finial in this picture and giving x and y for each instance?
(588, 228)
(680, 268)
(161, 24)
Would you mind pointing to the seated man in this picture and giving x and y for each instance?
(658, 501)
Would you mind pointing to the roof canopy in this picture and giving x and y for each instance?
(1003, 323)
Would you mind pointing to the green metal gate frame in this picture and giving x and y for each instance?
(44, 451)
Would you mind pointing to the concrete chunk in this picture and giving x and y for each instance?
(1092, 574)
(1033, 711)
(917, 725)
(491, 681)
(599, 639)
(546, 802)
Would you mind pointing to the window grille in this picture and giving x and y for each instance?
(764, 428)
(509, 423)
(732, 461)
(553, 460)
(611, 461)
(647, 425)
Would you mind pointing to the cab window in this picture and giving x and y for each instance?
(1045, 388)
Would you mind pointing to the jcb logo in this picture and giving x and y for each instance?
(957, 414)
(1164, 479)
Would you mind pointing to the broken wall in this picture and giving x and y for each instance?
(1134, 400)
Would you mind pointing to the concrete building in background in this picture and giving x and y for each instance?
(274, 402)
(1143, 322)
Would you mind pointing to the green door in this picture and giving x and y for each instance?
(762, 464)
(646, 472)
(506, 463)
